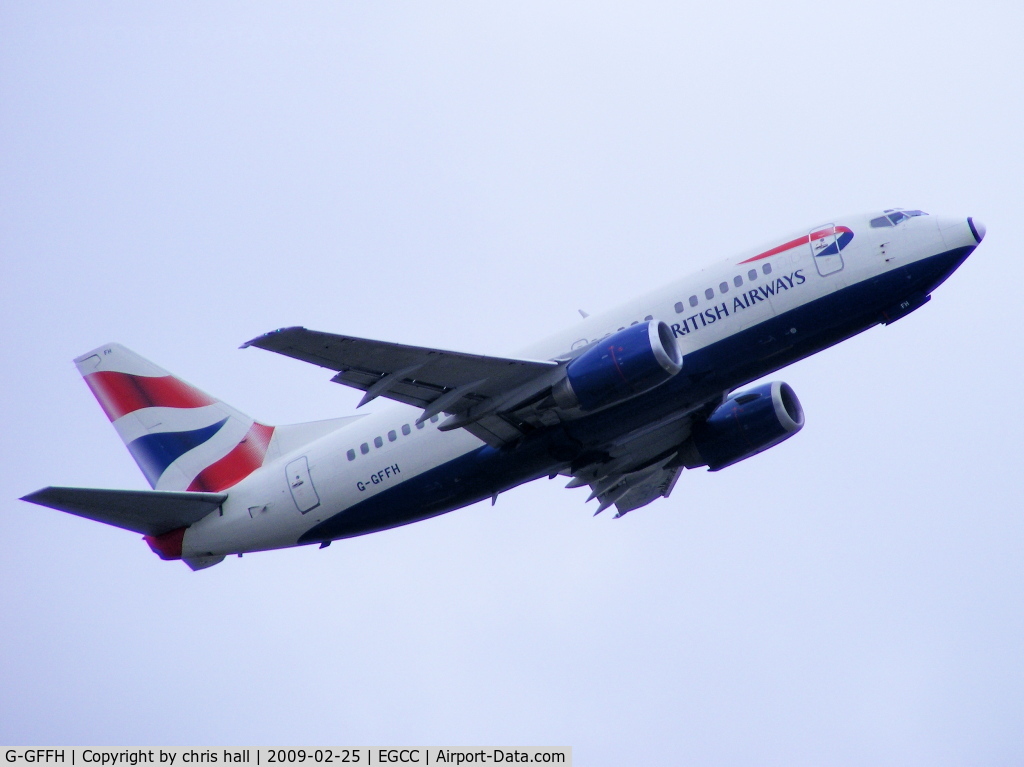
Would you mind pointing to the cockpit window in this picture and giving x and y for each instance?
(894, 216)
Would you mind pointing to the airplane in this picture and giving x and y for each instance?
(621, 403)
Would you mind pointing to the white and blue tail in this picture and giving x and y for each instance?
(181, 438)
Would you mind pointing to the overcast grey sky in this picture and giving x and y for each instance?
(183, 177)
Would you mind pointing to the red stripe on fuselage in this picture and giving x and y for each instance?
(243, 460)
(780, 249)
(122, 393)
(794, 243)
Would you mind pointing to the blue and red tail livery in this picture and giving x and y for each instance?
(122, 393)
(181, 437)
(243, 460)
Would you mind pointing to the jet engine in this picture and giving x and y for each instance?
(625, 364)
(744, 425)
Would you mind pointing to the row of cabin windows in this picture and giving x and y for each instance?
(723, 287)
(648, 318)
(392, 437)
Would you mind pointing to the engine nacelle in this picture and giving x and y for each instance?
(744, 425)
(625, 364)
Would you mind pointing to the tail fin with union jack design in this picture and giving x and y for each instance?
(181, 438)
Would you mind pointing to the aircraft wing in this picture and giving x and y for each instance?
(471, 388)
(150, 512)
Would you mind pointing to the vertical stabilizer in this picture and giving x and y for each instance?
(181, 437)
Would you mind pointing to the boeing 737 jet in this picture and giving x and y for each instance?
(621, 403)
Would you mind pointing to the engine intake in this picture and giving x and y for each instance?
(744, 425)
(623, 365)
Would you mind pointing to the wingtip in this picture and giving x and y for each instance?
(35, 495)
(256, 341)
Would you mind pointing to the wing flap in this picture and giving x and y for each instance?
(646, 489)
(150, 512)
(629, 491)
(637, 468)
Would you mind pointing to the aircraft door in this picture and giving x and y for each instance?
(301, 485)
(825, 250)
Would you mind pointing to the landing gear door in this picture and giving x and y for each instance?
(301, 485)
(825, 250)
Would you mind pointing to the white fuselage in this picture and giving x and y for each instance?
(377, 452)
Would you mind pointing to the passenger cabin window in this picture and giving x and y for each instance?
(723, 287)
(737, 280)
(351, 455)
(419, 425)
(767, 268)
(378, 442)
(406, 429)
(433, 418)
(693, 300)
(709, 294)
(392, 436)
(679, 307)
(752, 275)
(648, 318)
(364, 448)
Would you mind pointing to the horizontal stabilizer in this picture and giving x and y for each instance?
(150, 512)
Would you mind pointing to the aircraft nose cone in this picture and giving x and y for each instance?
(977, 228)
